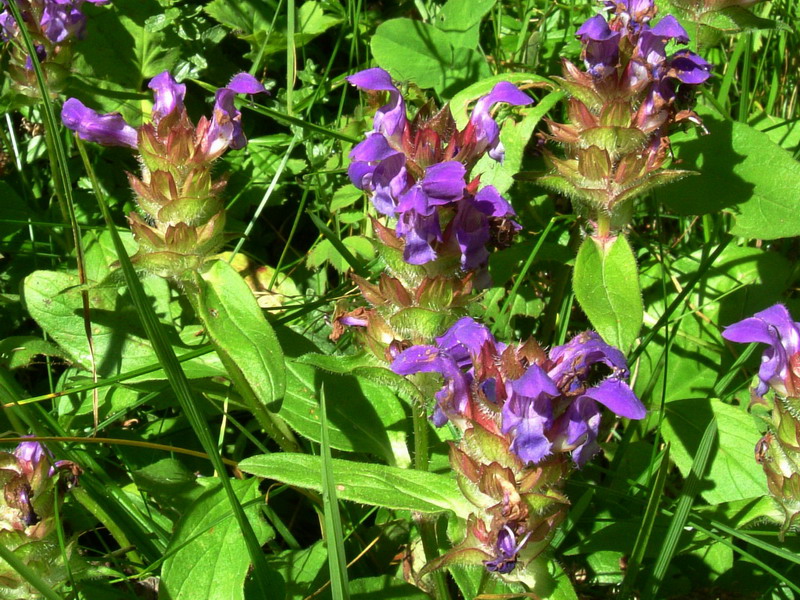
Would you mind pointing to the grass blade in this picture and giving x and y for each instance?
(642, 539)
(685, 501)
(337, 562)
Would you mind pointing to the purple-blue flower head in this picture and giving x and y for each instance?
(168, 95)
(29, 455)
(780, 362)
(390, 120)
(528, 414)
(482, 132)
(601, 46)
(108, 130)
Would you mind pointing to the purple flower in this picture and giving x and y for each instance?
(464, 341)
(528, 413)
(419, 232)
(780, 363)
(601, 46)
(573, 369)
(244, 83)
(29, 455)
(453, 397)
(486, 132)
(507, 549)
(390, 120)
(168, 95)
(61, 21)
(688, 67)
(651, 48)
(225, 130)
(108, 130)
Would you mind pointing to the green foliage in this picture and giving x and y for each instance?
(746, 174)
(193, 567)
(606, 283)
(377, 485)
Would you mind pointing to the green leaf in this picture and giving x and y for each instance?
(207, 556)
(743, 172)
(242, 336)
(420, 53)
(733, 473)
(20, 351)
(606, 283)
(54, 302)
(461, 19)
(384, 587)
(377, 485)
(365, 416)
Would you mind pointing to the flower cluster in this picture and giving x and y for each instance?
(778, 451)
(417, 171)
(520, 410)
(545, 402)
(621, 109)
(183, 214)
(53, 25)
(780, 363)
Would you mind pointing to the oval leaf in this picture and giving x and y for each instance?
(376, 485)
(606, 283)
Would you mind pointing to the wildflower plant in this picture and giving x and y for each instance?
(384, 385)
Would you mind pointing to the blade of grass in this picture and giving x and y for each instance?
(643, 537)
(337, 561)
(685, 501)
(180, 385)
(61, 180)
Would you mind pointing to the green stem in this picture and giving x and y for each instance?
(421, 450)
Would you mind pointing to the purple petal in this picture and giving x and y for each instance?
(668, 28)
(617, 397)
(109, 130)
(534, 383)
(689, 68)
(465, 339)
(583, 423)
(597, 30)
(375, 147)
(489, 201)
(773, 325)
(444, 182)
(528, 418)
(244, 83)
(168, 95)
(373, 79)
(419, 233)
(419, 359)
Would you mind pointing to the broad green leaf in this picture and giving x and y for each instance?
(733, 473)
(244, 339)
(301, 569)
(362, 416)
(325, 251)
(251, 20)
(377, 485)
(743, 172)
(53, 300)
(461, 19)
(420, 53)
(384, 587)
(606, 283)
(207, 556)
